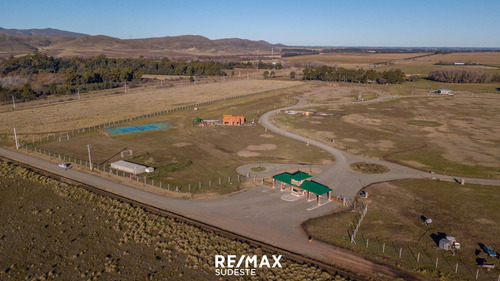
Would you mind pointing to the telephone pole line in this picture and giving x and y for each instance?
(90, 159)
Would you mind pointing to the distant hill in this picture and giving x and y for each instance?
(188, 44)
(47, 32)
(67, 44)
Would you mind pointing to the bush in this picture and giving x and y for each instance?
(460, 75)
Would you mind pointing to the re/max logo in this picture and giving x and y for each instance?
(247, 261)
(245, 265)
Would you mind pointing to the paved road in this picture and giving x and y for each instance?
(338, 175)
(260, 213)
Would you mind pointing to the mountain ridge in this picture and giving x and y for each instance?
(89, 45)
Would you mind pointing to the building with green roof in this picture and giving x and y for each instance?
(300, 184)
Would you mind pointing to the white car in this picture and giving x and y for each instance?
(63, 165)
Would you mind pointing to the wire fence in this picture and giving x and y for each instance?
(192, 187)
(444, 262)
(66, 135)
(425, 259)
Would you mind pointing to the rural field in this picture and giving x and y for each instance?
(394, 219)
(351, 60)
(451, 135)
(62, 117)
(47, 238)
(410, 63)
(185, 153)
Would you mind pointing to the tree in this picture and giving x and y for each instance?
(52, 89)
(27, 92)
(272, 74)
(292, 75)
(266, 74)
(191, 79)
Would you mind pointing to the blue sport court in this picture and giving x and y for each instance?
(135, 129)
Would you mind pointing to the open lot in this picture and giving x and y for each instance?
(90, 112)
(470, 213)
(451, 135)
(187, 154)
(54, 231)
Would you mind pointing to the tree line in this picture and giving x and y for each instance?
(92, 73)
(340, 74)
(462, 75)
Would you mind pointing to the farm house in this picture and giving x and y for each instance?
(130, 167)
(233, 120)
(301, 185)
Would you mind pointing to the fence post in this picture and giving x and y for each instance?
(400, 250)
(367, 243)
(418, 258)
(477, 273)
(456, 268)
(160, 184)
(437, 262)
(209, 182)
(383, 248)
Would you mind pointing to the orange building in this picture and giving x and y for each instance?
(233, 120)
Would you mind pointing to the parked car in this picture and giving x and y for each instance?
(489, 250)
(63, 165)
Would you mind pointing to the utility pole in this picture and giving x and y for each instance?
(15, 137)
(90, 159)
(13, 102)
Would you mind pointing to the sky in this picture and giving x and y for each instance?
(385, 23)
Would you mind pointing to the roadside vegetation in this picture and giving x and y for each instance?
(46, 237)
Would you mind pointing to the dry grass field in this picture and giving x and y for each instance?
(351, 60)
(62, 117)
(52, 231)
(470, 213)
(454, 135)
(422, 66)
(186, 155)
(406, 62)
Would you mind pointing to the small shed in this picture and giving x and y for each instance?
(445, 244)
(129, 167)
(444, 91)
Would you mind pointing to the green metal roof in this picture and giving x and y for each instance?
(284, 177)
(315, 187)
(311, 186)
(299, 176)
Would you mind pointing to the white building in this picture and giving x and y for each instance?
(130, 167)
(444, 91)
